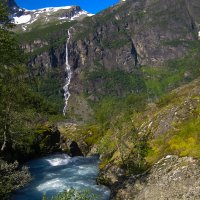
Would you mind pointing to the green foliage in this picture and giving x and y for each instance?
(115, 82)
(140, 14)
(9, 49)
(73, 194)
(182, 141)
(4, 16)
(21, 109)
(12, 178)
(49, 87)
(166, 99)
(49, 33)
(176, 72)
(115, 43)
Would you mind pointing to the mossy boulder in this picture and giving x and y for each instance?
(47, 140)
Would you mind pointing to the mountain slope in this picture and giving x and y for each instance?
(13, 7)
(31, 19)
(126, 38)
(132, 144)
(121, 43)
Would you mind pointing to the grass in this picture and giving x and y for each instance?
(184, 141)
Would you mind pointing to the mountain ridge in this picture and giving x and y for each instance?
(25, 19)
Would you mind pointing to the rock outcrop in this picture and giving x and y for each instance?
(170, 178)
(13, 7)
(75, 150)
(47, 140)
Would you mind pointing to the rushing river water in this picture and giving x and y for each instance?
(55, 173)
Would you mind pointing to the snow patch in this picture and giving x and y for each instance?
(83, 12)
(30, 16)
(51, 9)
(22, 19)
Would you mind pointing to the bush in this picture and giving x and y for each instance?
(12, 178)
(73, 194)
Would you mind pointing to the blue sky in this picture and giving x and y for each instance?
(92, 6)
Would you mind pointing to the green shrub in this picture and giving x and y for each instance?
(184, 141)
(73, 194)
(12, 178)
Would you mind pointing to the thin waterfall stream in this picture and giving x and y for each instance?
(69, 75)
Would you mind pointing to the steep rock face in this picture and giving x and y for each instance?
(33, 45)
(128, 35)
(170, 178)
(47, 60)
(135, 30)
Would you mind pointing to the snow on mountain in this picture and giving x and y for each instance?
(22, 19)
(46, 15)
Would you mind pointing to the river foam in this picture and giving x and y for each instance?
(55, 173)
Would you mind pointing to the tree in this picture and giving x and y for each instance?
(11, 77)
(132, 146)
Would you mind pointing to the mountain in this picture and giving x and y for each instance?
(131, 38)
(119, 46)
(43, 35)
(157, 132)
(29, 19)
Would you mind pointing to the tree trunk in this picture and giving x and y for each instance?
(5, 139)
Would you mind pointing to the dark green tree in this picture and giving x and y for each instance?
(11, 77)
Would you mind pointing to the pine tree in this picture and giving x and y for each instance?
(11, 79)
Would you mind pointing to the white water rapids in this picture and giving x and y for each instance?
(58, 172)
(69, 76)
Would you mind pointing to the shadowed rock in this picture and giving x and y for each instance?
(75, 150)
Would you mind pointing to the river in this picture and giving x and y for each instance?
(55, 173)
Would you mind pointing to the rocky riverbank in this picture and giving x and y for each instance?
(170, 178)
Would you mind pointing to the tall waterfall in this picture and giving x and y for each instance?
(68, 78)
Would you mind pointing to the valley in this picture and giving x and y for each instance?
(127, 80)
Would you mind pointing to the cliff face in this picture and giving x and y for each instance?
(47, 61)
(135, 32)
(127, 36)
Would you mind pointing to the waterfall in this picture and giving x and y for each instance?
(68, 78)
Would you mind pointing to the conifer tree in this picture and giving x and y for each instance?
(11, 79)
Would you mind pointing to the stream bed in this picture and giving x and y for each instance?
(58, 172)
